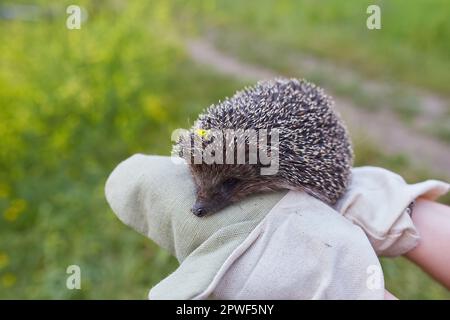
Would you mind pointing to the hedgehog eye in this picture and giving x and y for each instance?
(230, 183)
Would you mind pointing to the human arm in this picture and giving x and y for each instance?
(432, 254)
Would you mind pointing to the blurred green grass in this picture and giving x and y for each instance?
(412, 45)
(76, 103)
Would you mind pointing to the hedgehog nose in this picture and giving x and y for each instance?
(198, 210)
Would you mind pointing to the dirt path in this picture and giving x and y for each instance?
(381, 127)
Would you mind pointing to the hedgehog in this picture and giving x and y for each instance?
(313, 149)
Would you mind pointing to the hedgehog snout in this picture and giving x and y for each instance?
(208, 205)
(199, 209)
(202, 208)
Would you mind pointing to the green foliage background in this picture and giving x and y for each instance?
(74, 103)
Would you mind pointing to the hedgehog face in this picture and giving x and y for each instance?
(221, 185)
(218, 183)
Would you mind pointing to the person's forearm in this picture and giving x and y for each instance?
(432, 220)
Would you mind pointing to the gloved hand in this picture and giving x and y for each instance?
(272, 246)
(381, 203)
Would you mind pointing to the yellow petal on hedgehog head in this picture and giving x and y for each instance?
(202, 132)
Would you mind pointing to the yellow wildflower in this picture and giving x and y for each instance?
(8, 280)
(4, 260)
(15, 209)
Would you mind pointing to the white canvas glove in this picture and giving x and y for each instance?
(303, 249)
(380, 202)
(268, 246)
